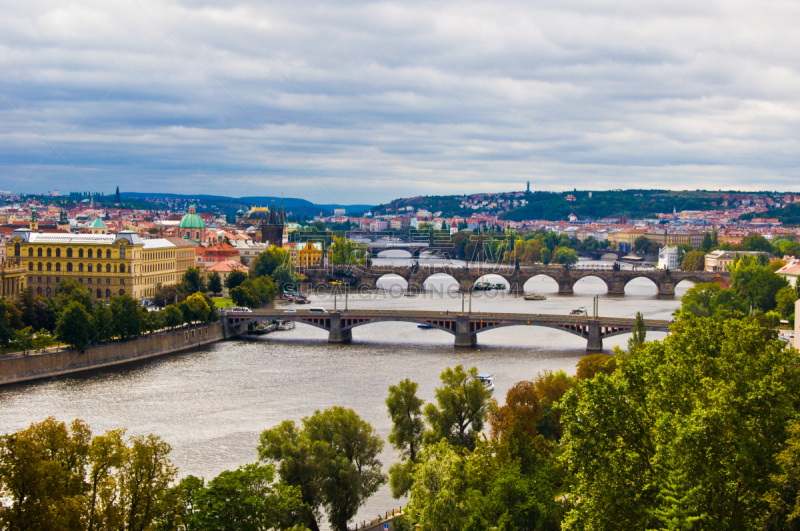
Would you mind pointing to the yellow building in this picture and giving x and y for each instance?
(107, 264)
(12, 278)
(308, 254)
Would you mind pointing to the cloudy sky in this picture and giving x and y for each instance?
(364, 101)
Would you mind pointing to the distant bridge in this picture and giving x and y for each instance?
(615, 280)
(464, 326)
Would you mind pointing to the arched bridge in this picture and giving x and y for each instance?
(615, 280)
(464, 326)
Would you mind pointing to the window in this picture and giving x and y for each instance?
(108, 281)
(122, 268)
(80, 268)
(39, 291)
(80, 253)
(49, 252)
(89, 267)
(49, 266)
(58, 253)
(108, 253)
(121, 252)
(90, 253)
(30, 266)
(108, 294)
(108, 268)
(16, 249)
(99, 293)
(58, 266)
(69, 253)
(48, 290)
(69, 266)
(122, 282)
(90, 280)
(80, 280)
(39, 251)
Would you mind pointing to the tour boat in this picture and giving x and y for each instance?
(579, 311)
(487, 380)
(534, 297)
(424, 326)
(488, 286)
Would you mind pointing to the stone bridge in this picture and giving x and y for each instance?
(615, 279)
(464, 326)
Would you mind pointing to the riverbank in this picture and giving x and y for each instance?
(18, 367)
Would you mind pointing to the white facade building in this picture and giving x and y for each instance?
(668, 258)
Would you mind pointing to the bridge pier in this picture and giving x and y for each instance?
(666, 289)
(464, 337)
(595, 340)
(616, 287)
(336, 333)
(565, 287)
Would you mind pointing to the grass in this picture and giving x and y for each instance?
(222, 302)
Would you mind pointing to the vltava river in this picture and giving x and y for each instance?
(212, 403)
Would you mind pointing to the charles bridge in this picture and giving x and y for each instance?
(464, 326)
(566, 277)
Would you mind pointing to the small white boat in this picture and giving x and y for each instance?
(534, 297)
(487, 380)
(579, 311)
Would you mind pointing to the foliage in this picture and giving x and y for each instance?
(75, 326)
(246, 499)
(758, 285)
(405, 410)
(169, 294)
(690, 426)
(644, 245)
(522, 411)
(784, 301)
(214, 282)
(546, 256)
(784, 495)
(462, 405)
(127, 320)
(254, 293)
(54, 477)
(710, 299)
(70, 290)
(694, 261)
(594, 364)
(102, 322)
(639, 333)
(172, 316)
(275, 263)
(235, 279)
(566, 256)
(192, 282)
(200, 309)
(348, 252)
(332, 459)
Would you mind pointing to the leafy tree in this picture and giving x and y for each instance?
(639, 333)
(243, 297)
(758, 285)
(694, 261)
(756, 242)
(522, 411)
(36, 312)
(683, 250)
(462, 405)
(405, 410)
(127, 319)
(707, 243)
(567, 256)
(275, 263)
(214, 282)
(75, 326)
(169, 294)
(70, 290)
(235, 279)
(784, 495)
(546, 256)
(199, 308)
(6, 329)
(172, 316)
(644, 245)
(692, 425)
(784, 301)
(246, 499)
(348, 252)
(192, 282)
(594, 364)
(332, 459)
(102, 322)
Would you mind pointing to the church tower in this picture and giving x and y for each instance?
(34, 220)
(272, 228)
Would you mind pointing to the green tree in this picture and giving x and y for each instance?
(707, 243)
(332, 459)
(347, 252)
(593, 364)
(70, 290)
(546, 256)
(199, 308)
(758, 285)
(784, 301)
(127, 319)
(567, 256)
(75, 326)
(246, 499)
(639, 333)
(405, 410)
(692, 425)
(243, 297)
(214, 283)
(172, 316)
(462, 405)
(784, 495)
(235, 279)
(192, 282)
(644, 245)
(6, 329)
(275, 263)
(102, 322)
(756, 242)
(694, 261)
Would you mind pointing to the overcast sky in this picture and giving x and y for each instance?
(361, 102)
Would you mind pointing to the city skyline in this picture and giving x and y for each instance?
(365, 103)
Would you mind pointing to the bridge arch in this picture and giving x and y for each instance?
(640, 284)
(686, 284)
(493, 278)
(446, 325)
(441, 282)
(394, 253)
(541, 283)
(391, 282)
(591, 284)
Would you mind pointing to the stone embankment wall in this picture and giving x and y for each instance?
(15, 368)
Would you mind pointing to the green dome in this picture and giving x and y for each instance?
(192, 220)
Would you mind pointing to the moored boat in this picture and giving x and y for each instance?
(487, 379)
(534, 297)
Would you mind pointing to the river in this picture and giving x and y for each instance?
(212, 403)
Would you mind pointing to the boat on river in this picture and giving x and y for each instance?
(579, 311)
(534, 297)
(487, 379)
(424, 326)
(488, 286)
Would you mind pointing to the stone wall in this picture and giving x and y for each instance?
(15, 368)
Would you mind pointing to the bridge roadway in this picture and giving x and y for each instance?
(615, 280)
(464, 326)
